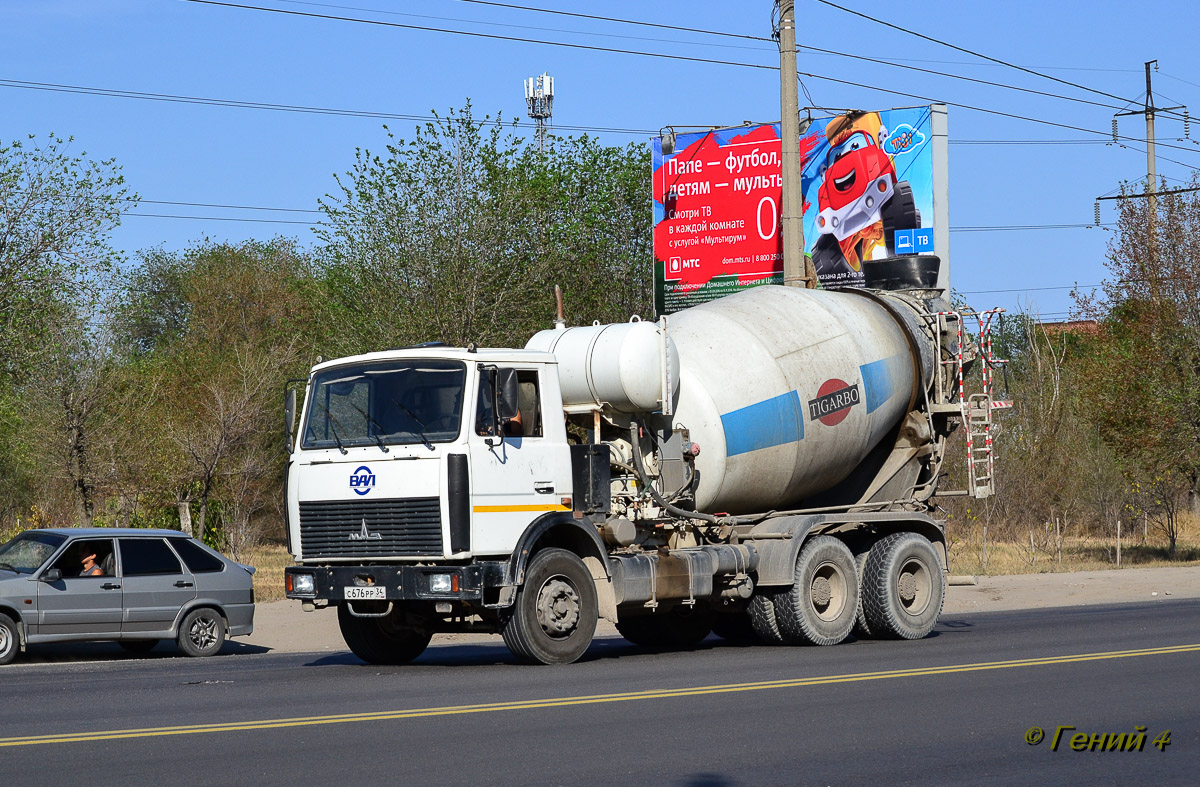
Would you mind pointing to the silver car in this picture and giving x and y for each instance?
(129, 585)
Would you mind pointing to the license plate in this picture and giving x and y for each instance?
(368, 593)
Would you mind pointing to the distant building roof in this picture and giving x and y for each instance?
(1071, 326)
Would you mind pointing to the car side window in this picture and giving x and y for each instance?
(198, 560)
(144, 556)
(86, 557)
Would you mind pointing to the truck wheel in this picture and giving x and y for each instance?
(900, 213)
(903, 587)
(762, 617)
(819, 607)
(862, 629)
(554, 617)
(396, 639)
(678, 627)
(734, 627)
(10, 639)
(202, 632)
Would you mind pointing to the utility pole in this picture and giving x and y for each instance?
(797, 270)
(1151, 174)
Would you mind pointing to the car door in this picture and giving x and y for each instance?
(80, 606)
(156, 585)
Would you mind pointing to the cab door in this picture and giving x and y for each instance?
(525, 473)
(81, 606)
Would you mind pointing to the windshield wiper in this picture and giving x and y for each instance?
(378, 439)
(10, 568)
(421, 424)
(333, 427)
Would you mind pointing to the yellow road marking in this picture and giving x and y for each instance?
(595, 699)
(507, 509)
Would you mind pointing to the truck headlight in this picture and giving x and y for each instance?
(302, 584)
(439, 583)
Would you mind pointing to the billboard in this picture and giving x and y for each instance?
(873, 184)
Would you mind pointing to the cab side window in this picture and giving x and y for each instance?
(144, 556)
(528, 421)
(86, 557)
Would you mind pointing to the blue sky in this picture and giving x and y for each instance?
(182, 152)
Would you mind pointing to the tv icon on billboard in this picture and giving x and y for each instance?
(914, 241)
(676, 264)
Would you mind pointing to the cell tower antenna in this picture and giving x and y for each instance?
(539, 98)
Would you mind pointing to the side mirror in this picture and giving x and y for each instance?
(289, 412)
(51, 575)
(509, 392)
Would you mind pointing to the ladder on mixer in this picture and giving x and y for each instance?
(975, 409)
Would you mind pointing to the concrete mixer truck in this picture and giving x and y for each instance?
(761, 466)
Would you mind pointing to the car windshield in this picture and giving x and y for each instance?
(856, 141)
(25, 553)
(382, 404)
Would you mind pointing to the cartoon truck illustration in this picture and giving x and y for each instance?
(861, 202)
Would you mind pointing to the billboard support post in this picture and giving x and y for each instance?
(795, 271)
(940, 131)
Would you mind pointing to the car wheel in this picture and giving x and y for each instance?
(396, 639)
(10, 639)
(202, 632)
(137, 646)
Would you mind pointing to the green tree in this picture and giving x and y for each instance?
(56, 212)
(460, 235)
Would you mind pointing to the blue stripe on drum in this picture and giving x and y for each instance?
(882, 380)
(776, 421)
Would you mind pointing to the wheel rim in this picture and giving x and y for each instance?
(914, 586)
(203, 633)
(558, 607)
(6, 640)
(827, 591)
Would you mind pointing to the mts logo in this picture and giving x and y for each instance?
(678, 264)
(362, 480)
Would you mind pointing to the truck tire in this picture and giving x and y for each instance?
(10, 639)
(900, 213)
(734, 627)
(762, 617)
(904, 587)
(819, 607)
(862, 629)
(678, 627)
(396, 639)
(554, 616)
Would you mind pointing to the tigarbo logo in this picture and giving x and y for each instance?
(833, 402)
(362, 480)
(364, 534)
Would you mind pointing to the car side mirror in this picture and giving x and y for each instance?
(509, 392)
(51, 575)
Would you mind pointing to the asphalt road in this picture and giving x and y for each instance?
(953, 708)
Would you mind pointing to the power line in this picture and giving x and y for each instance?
(219, 205)
(221, 218)
(300, 108)
(661, 55)
(1024, 227)
(970, 52)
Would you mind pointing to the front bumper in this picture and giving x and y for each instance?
(477, 582)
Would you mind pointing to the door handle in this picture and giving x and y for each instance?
(110, 586)
(544, 489)
(182, 584)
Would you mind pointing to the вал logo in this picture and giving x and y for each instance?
(833, 402)
(362, 480)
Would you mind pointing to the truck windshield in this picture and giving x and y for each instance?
(28, 551)
(393, 403)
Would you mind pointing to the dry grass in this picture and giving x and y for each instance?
(1078, 554)
(270, 560)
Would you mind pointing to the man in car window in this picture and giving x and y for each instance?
(90, 569)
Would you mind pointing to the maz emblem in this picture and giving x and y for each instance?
(366, 535)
